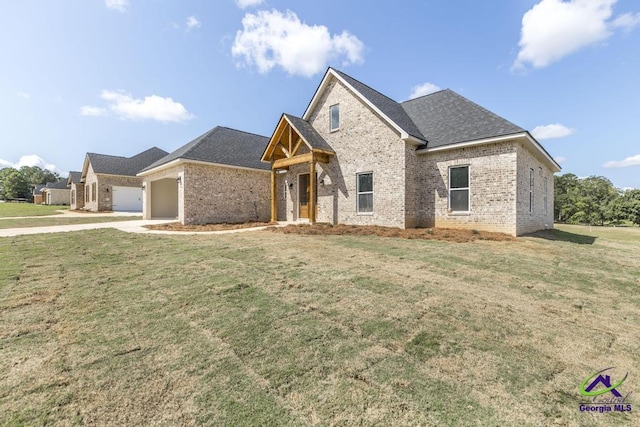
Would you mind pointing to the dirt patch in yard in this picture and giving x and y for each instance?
(446, 234)
(176, 226)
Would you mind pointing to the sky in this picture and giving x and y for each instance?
(120, 76)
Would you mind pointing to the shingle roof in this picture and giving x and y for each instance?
(128, 166)
(388, 106)
(58, 185)
(224, 146)
(445, 118)
(308, 133)
(38, 188)
(74, 177)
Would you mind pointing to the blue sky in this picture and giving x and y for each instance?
(119, 76)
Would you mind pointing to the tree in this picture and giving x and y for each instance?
(630, 205)
(15, 186)
(36, 175)
(592, 200)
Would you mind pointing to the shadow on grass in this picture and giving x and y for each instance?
(563, 236)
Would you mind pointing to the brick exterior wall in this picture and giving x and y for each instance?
(77, 200)
(55, 196)
(103, 200)
(216, 194)
(364, 143)
(541, 215)
(492, 180)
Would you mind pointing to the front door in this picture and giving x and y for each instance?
(304, 193)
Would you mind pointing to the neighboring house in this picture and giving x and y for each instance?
(76, 187)
(217, 177)
(55, 193)
(358, 157)
(110, 182)
(38, 199)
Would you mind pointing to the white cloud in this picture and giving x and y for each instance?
(23, 95)
(423, 89)
(192, 22)
(560, 159)
(153, 107)
(551, 131)
(627, 21)
(243, 4)
(31, 160)
(271, 38)
(88, 110)
(119, 5)
(553, 29)
(629, 161)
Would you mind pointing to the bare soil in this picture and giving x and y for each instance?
(176, 226)
(445, 234)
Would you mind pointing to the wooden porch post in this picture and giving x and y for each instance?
(274, 196)
(312, 190)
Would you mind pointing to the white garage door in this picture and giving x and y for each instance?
(128, 199)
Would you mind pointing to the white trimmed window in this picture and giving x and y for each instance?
(364, 183)
(459, 189)
(334, 113)
(531, 190)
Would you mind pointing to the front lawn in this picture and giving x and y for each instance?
(8, 209)
(103, 327)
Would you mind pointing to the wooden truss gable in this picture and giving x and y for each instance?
(287, 147)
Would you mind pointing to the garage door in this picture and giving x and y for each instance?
(128, 199)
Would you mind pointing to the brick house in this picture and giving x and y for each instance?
(55, 193)
(110, 182)
(358, 157)
(218, 177)
(76, 187)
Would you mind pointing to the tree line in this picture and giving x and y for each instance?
(594, 201)
(19, 183)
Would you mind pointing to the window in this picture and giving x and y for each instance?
(334, 112)
(86, 193)
(530, 190)
(73, 197)
(93, 192)
(459, 189)
(546, 187)
(364, 182)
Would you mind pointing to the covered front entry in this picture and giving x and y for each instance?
(296, 142)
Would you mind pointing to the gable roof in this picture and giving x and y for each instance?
(387, 108)
(74, 177)
(118, 165)
(221, 145)
(444, 117)
(58, 185)
(308, 133)
(38, 188)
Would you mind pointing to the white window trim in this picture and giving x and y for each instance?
(358, 192)
(546, 195)
(331, 129)
(468, 188)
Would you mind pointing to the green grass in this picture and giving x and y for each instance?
(28, 209)
(50, 221)
(103, 327)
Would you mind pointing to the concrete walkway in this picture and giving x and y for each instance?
(74, 214)
(134, 226)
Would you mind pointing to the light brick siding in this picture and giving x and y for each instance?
(104, 189)
(55, 196)
(364, 143)
(216, 194)
(492, 178)
(77, 197)
(542, 216)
